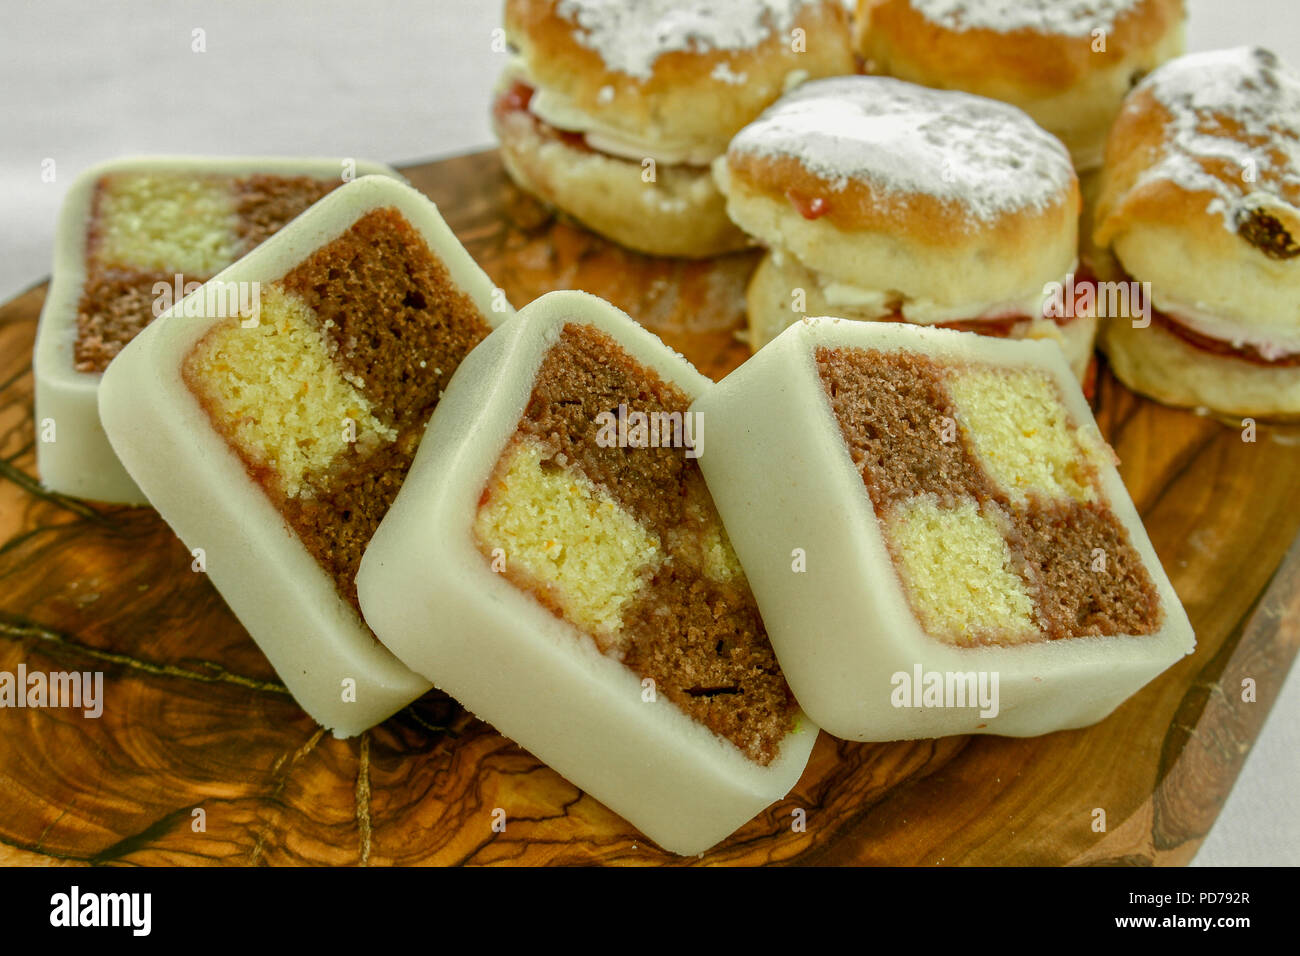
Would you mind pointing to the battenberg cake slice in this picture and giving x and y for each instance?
(274, 440)
(133, 234)
(554, 561)
(929, 518)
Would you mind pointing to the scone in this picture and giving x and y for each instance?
(612, 110)
(1200, 202)
(1067, 64)
(882, 200)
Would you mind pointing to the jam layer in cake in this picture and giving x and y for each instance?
(147, 228)
(326, 397)
(988, 498)
(625, 543)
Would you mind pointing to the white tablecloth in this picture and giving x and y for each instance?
(394, 80)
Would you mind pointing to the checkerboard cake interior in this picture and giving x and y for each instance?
(326, 396)
(148, 227)
(989, 499)
(625, 543)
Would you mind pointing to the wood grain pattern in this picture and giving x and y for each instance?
(195, 720)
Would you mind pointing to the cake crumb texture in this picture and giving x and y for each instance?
(569, 537)
(1019, 430)
(894, 413)
(989, 500)
(165, 222)
(687, 620)
(1091, 581)
(147, 228)
(373, 328)
(281, 398)
(265, 204)
(115, 306)
(958, 565)
(400, 324)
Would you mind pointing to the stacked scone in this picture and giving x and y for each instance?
(612, 110)
(883, 201)
(1200, 203)
(1066, 64)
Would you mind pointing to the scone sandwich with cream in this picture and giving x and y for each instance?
(884, 201)
(612, 110)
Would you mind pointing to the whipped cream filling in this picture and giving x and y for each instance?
(558, 110)
(879, 302)
(1271, 348)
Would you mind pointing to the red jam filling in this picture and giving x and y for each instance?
(994, 328)
(810, 207)
(517, 97)
(1207, 343)
(1089, 382)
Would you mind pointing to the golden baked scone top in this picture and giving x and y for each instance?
(1041, 45)
(877, 151)
(663, 69)
(1209, 143)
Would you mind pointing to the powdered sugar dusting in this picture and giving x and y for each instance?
(1061, 17)
(1250, 161)
(988, 157)
(630, 35)
(723, 73)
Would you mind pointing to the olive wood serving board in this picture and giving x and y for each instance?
(200, 755)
